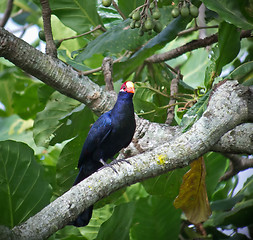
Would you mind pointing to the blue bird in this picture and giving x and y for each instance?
(111, 132)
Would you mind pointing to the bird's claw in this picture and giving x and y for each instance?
(107, 165)
(117, 161)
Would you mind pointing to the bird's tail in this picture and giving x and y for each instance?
(84, 218)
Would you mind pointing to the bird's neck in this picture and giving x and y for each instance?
(124, 102)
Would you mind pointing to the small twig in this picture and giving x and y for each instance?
(107, 70)
(86, 33)
(195, 28)
(86, 73)
(173, 92)
(237, 164)
(46, 14)
(175, 71)
(163, 107)
(118, 10)
(7, 13)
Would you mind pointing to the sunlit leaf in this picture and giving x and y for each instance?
(192, 198)
(244, 74)
(118, 38)
(47, 121)
(195, 112)
(232, 11)
(83, 14)
(155, 218)
(23, 189)
(229, 45)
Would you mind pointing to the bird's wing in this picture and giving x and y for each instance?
(97, 134)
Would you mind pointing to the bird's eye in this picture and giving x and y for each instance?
(124, 88)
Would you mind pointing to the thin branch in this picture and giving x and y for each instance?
(196, 28)
(195, 44)
(118, 10)
(46, 14)
(7, 13)
(86, 33)
(237, 164)
(173, 92)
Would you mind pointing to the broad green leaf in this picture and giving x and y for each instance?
(67, 233)
(99, 216)
(128, 6)
(155, 218)
(195, 112)
(47, 121)
(244, 74)
(216, 165)
(118, 225)
(226, 204)
(77, 65)
(123, 69)
(194, 68)
(66, 168)
(239, 216)
(76, 123)
(115, 40)
(233, 11)
(79, 15)
(26, 102)
(166, 185)
(229, 45)
(17, 129)
(23, 189)
(7, 88)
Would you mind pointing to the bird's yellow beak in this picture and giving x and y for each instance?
(130, 87)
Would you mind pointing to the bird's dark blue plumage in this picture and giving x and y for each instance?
(111, 132)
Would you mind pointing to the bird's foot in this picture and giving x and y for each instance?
(117, 161)
(107, 165)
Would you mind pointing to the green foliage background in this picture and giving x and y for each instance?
(42, 131)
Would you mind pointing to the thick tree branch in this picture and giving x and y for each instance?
(55, 73)
(227, 109)
(69, 82)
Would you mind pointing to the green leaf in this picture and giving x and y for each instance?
(114, 40)
(155, 218)
(239, 216)
(232, 11)
(194, 113)
(76, 123)
(83, 14)
(99, 216)
(244, 74)
(166, 185)
(47, 121)
(123, 69)
(193, 69)
(229, 45)
(128, 6)
(118, 225)
(216, 165)
(23, 189)
(17, 129)
(26, 102)
(66, 168)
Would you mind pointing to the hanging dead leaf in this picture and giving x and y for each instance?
(192, 198)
